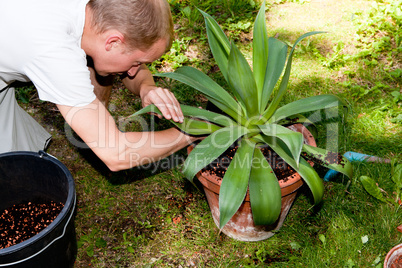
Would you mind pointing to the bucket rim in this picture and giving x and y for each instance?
(69, 204)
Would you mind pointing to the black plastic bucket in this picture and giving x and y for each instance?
(26, 176)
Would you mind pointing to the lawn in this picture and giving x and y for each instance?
(153, 217)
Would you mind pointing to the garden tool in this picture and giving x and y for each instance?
(355, 157)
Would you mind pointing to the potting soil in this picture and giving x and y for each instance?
(281, 169)
(23, 221)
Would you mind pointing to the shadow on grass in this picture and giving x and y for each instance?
(136, 173)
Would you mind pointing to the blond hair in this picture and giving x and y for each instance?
(142, 22)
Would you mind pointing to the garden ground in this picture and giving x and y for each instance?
(153, 217)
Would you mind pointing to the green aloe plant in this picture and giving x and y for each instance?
(252, 118)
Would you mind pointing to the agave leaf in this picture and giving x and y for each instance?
(203, 114)
(196, 127)
(292, 139)
(312, 179)
(371, 187)
(305, 170)
(276, 63)
(307, 105)
(148, 109)
(265, 192)
(218, 42)
(294, 119)
(211, 148)
(189, 126)
(329, 159)
(200, 126)
(260, 49)
(241, 80)
(299, 119)
(214, 92)
(285, 79)
(235, 182)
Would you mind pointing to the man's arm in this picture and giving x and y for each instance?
(121, 150)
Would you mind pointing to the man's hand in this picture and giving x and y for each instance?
(142, 84)
(164, 100)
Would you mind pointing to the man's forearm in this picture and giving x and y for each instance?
(149, 148)
(142, 80)
(121, 150)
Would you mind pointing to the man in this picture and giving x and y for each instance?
(48, 41)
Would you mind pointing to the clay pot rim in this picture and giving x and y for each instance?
(390, 254)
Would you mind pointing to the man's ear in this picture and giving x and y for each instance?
(114, 40)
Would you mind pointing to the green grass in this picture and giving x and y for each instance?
(153, 217)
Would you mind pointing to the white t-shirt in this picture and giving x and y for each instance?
(41, 42)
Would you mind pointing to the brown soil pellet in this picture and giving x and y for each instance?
(23, 221)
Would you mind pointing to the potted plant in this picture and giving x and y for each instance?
(252, 119)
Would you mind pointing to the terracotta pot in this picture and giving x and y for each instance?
(241, 226)
(394, 257)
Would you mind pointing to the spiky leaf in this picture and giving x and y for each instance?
(265, 192)
(260, 49)
(211, 148)
(329, 159)
(218, 42)
(206, 115)
(292, 139)
(276, 63)
(305, 105)
(305, 170)
(241, 80)
(214, 92)
(201, 126)
(285, 79)
(235, 183)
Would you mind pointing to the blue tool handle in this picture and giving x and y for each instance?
(330, 174)
(355, 157)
